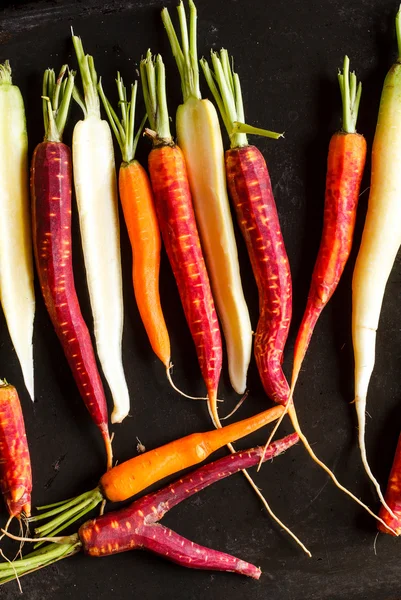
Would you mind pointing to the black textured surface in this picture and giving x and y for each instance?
(287, 55)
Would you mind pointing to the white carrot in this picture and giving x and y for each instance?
(16, 264)
(199, 137)
(96, 193)
(380, 242)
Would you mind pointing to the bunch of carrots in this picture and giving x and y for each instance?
(183, 203)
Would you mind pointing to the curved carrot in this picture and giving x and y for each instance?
(140, 218)
(15, 463)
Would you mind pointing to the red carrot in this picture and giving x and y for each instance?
(251, 192)
(51, 221)
(137, 526)
(15, 463)
(393, 496)
(177, 223)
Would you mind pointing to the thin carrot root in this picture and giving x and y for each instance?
(108, 446)
(360, 411)
(171, 382)
(214, 415)
(236, 407)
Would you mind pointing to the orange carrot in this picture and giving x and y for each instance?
(141, 221)
(138, 473)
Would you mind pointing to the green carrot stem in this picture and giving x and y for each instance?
(56, 96)
(350, 95)
(5, 73)
(398, 32)
(186, 53)
(249, 129)
(153, 79)
(89, 80)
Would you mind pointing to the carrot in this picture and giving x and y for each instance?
(97, 201)
(393, 497)
(15, 463)
(381, 240)
(51, 222)
(251, 191)
(141, 221)
(138, 527)
(136, 474)
(199, 138)
(176, 219)
(17, 295)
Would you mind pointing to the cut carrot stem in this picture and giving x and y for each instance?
(133, 476)
(51, 182)
(138, 527)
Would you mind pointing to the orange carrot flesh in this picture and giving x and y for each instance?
(180, 235)
(252, 195)
(143, 230)
(15, 464)
(345, 166)
(393, 497)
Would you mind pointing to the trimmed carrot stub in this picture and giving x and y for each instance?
(381, 240)
(251, 192)
(135, 475)
(199, 137)
(393, 497)
(51, 182)
(17, 293)
(176, 218)
(97, 201)
(15, 463)
(141, 221)
(138, 527)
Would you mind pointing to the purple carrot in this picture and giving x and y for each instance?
(51, 223)
(137, 526)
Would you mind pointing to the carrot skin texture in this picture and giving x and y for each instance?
(180, 235)
(393, 496)
(51, 219)
(138, 473)
(143, 230)
(252, 195)
(15, 463)
(137, 525)
(345, 166)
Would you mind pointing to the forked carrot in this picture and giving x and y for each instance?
(140, 218)
(137, 526)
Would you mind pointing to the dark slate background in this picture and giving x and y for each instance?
(287, 55)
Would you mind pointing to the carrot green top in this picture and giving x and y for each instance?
(5, 73)
(56, 99)
(351, 95)
(153, 79)
(90, 102)
(123, 128)
(186, 54)
(225, 86)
